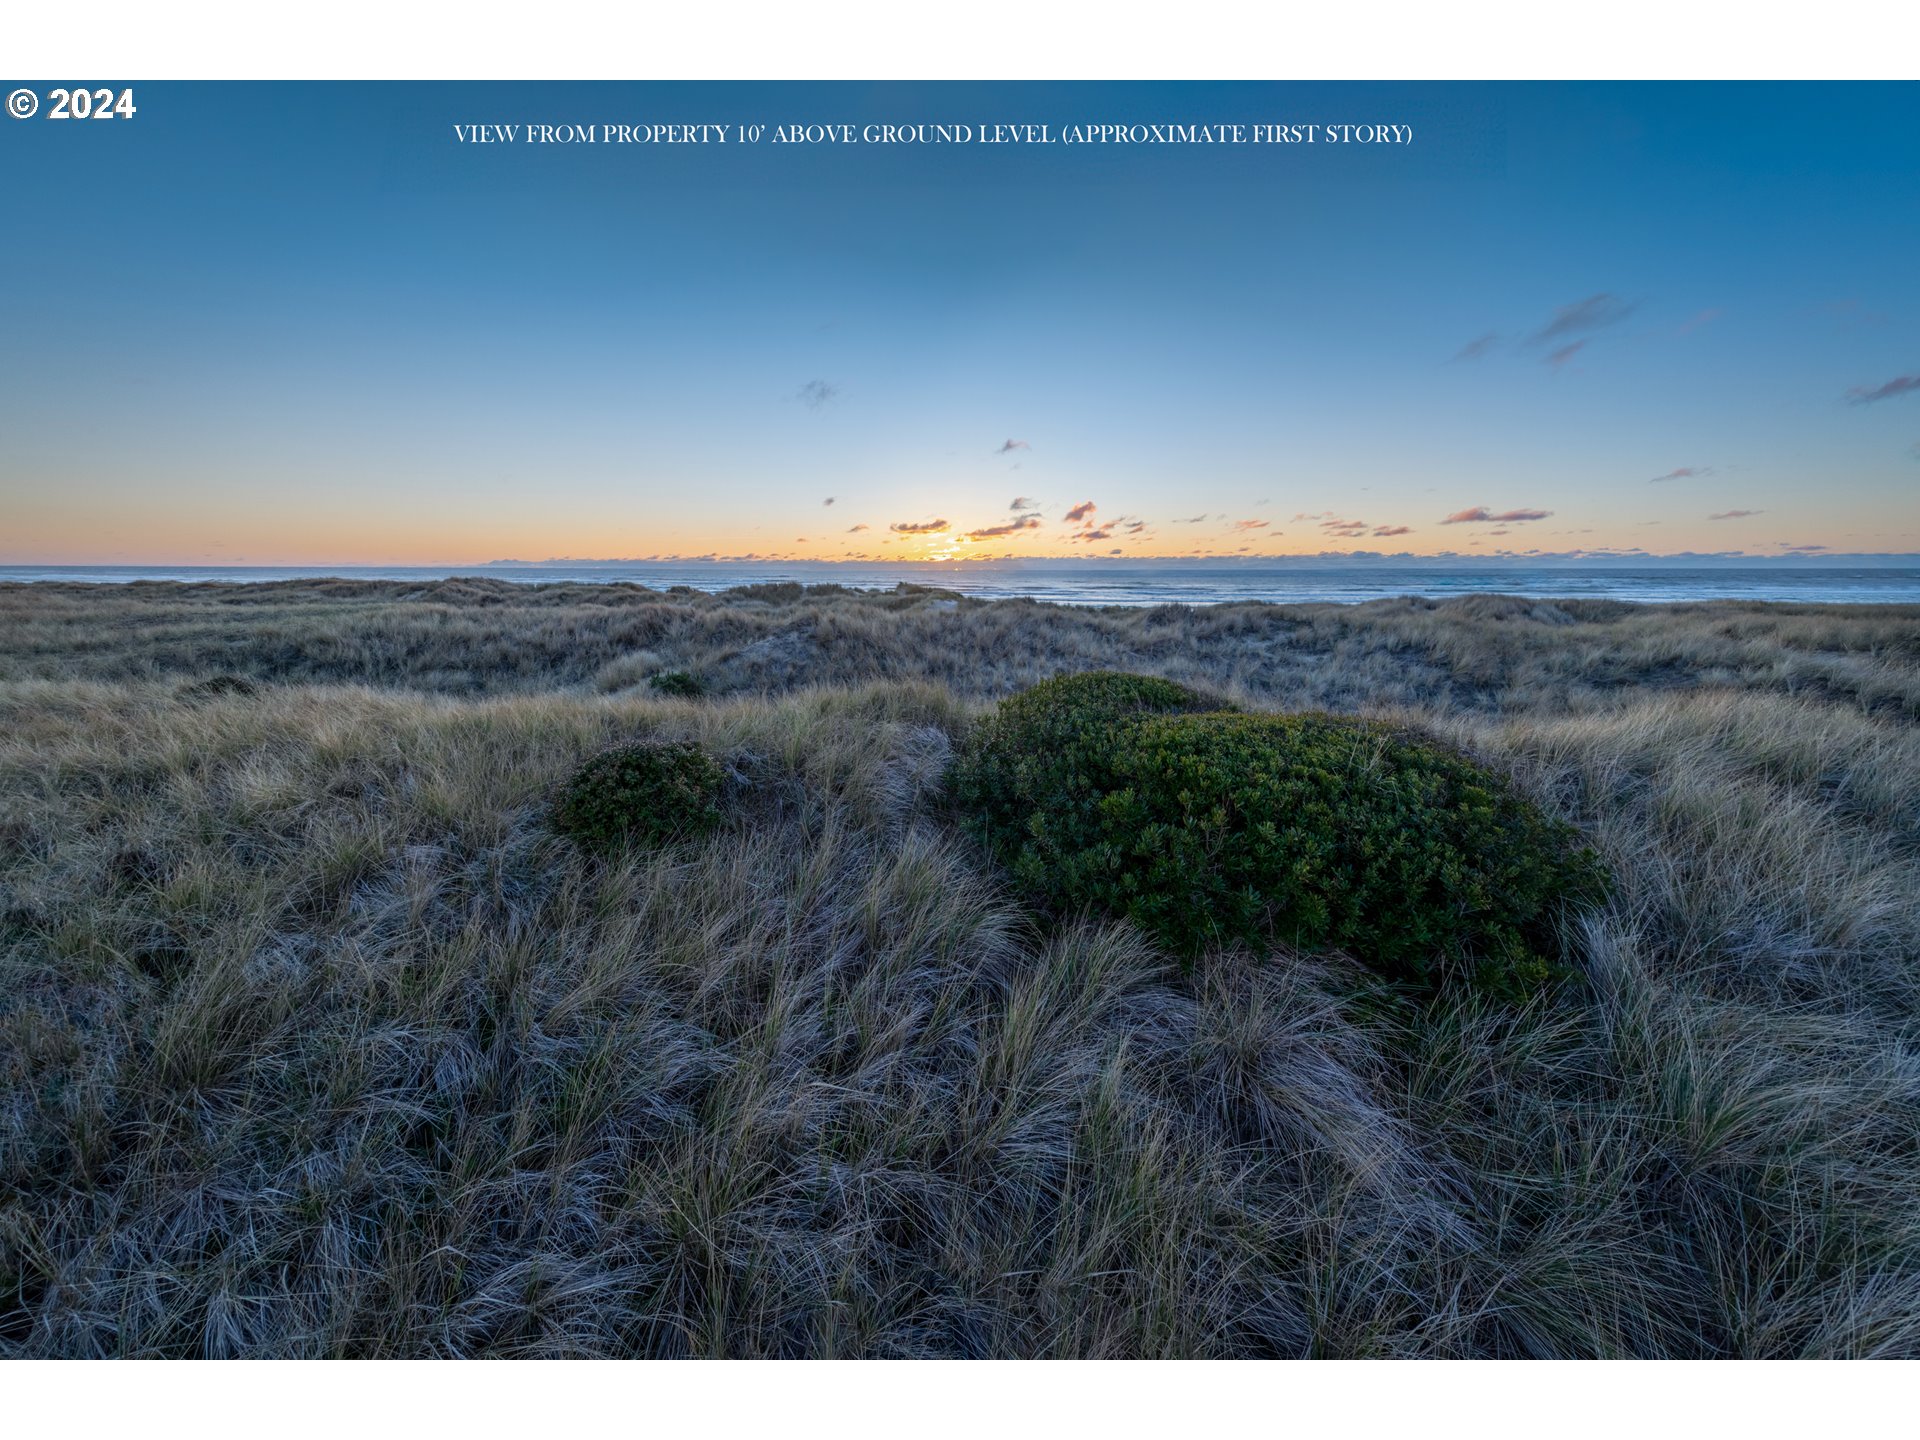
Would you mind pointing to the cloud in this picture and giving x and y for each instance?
(1012, 527)
(1593, 313)
(1134, 527)
(830, 499)
(1800, 549)
(1201, 519)
(1480, 515)
(1023, 502)
(1346, 529)
(1735, 514)
(856, 529)
(918, 527)
(816, 393)
(1081, 511)
(1685, 472)
(1476, 348)
(1565, 353)
(1011, 445)
(1251, 524)
(1090, 535)
(1899, 385)
(1394, 530)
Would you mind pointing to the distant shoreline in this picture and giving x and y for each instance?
(1830, 580)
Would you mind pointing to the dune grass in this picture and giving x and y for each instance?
(316, 1040)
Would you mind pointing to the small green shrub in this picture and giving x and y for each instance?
(1319, 831)
(645, 793)
(681, 683)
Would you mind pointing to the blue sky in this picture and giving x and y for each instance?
(304, 324)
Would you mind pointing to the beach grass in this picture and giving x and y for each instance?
(317, 1040)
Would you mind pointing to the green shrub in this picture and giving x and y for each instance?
(682, 683)
(1035, 770)
(645, 793)
(1318, 831)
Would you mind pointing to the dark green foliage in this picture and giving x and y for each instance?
(1043, 756)
(1318, 831)
(645, 793)
(682, 683)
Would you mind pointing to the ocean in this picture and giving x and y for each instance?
(1121, 582)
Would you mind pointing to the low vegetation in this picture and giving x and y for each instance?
(1316, 831)
(318, 1038)
(643, 793)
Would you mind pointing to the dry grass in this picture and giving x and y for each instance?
(493, 637)
(313, 1041)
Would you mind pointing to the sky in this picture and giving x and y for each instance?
(299, 324)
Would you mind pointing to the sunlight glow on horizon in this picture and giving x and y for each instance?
(1634, 319)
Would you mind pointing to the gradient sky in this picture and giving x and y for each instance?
(302, 324)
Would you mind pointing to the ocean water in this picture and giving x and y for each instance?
(1120, 582)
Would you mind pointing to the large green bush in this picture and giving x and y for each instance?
(1318, 831)
(644, 793)
(1032, 774)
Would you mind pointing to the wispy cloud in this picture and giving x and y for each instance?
(816, 393)
(1685, 472)
(1474, 349)
(1202, 519)
(1388, 530)
(1008, 447)
(1801, 549)
(1559, 357)
(1081, 512)
(830, 499)
(1870, 394)
(1023, 502)
(1251, 524)
(1012, 527)
(1480, 515)
(1091, 535)
(918, 527)
(1596, 312)
(856, 529)
(1735, 514)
